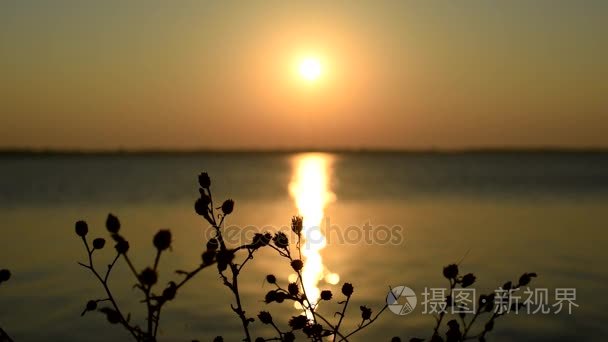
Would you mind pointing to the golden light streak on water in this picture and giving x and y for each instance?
(310, 189)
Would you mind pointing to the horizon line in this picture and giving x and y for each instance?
(160, 151)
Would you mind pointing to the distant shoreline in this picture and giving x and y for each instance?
(152, 152)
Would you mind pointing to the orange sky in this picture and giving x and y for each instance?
(148, 74)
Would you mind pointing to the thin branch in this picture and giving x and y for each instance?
(362, 326)
(104, 283)
(341, 317)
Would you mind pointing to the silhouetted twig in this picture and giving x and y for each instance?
(5, 275)
(145, 280)
(486, 305)
(312, 324)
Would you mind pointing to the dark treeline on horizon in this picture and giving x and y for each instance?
(155, 151)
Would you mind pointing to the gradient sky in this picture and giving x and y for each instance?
(399, 74)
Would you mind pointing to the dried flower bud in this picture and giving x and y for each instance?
(347, 289)
(260, 339)
(112, 224)
(5, 275)
(208, 256)
(265, 317)
(227, 206)
(224, 257)
(261, 240)
(213, 244)
(280, 297)
(526, 278)
(398, 339)
(297, 264)
(99, 243)
(148, 277)
(450, 271)
(293, 289)
(271, 296)
(82, 228)
(201, 206)
(91, 305)
(271, 279)
(468, 279)
(289, 337)
(281, 240)
(162, 239)
(122, 245)
(298, 322)
(311, 329)
(170, 291)
(326, 295)
(296, 224)
(204, 180)
(112, 315)
(366, 313)
(507, 286)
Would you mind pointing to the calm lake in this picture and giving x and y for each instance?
(496, 214)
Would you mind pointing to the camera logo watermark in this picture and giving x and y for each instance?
(401, 300)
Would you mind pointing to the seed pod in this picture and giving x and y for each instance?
(265, 317)
(81, 228)
(204, 180)
(213, 244)
(366, 313)
(297, 265)
(112, 224)
(99, 243)
(293, 289)
(122, 246)
(162, 239)
(208, 256)
(228, 206)
(326, 295)
(468, 279)
(148, 277)
(296, 224)
(5, 275)
(347, 289)
(271, 279)
(450, 271)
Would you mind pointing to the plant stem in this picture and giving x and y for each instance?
(362, 326)
(104, 283)
(341, 317)
(442, 314)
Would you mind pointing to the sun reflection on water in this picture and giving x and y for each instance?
(310, 189)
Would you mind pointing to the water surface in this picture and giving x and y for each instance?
(505, 213)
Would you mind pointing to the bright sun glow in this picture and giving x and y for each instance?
(310, 68)
(310, 190)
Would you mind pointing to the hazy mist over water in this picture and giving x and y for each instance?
(512, 212)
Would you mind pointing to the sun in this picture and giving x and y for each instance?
(310, 68)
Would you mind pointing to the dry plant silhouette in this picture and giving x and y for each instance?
(487, 305)
(5, 275)
(310, 324)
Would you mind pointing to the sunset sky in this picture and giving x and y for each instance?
(224, 75)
